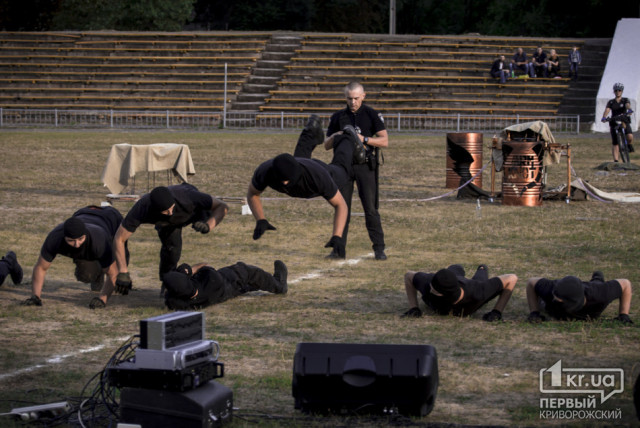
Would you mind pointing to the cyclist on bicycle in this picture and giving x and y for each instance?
(619, 106)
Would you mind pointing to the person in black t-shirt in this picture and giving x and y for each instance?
(449, 292)
(169, 209)
(87, 238)
(619, 106)
(569, 298)
(198, 286)
(302, 177)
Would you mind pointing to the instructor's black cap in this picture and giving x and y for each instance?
(445, 282)
(286, 168)
(178, 285)
(74, 228)
(161, 198)
(571, 291)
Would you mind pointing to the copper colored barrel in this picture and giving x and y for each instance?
(464, 158)
(522, 179)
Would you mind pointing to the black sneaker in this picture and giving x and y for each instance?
(359, 151)
(15, 270)
(492, 316)
(631, 149)
(314, 124)
(380, 255)
(280, 273)
(597, 276)
(414, 312)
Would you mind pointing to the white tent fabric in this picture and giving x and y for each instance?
(622, 66)
(605, 196)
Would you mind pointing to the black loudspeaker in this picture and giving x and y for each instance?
(210, 405)
(365, 378)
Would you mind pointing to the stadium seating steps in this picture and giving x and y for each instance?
(270, 72)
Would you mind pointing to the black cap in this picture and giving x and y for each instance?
(74, 228)
(178, 285)
(570, 290)
(445, 282)
(161, 198)
(286, 168)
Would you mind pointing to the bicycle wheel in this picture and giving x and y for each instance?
(624, 149)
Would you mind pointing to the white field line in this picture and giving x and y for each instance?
(57, 359)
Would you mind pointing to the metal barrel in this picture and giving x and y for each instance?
(464, 158)
(522, 179)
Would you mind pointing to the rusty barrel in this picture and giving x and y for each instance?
(522, 179)
(464, 158)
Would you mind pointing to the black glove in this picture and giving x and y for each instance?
(96, 303)
(201, 226)
(535, 317)
(32, 301)
(494, 315)
(338, 245)
(123, 283)
(624, 319)
(414, 312)
(261, 227)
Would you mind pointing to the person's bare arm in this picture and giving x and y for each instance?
(255, 203)
(122, 236)
(412, 293)
(532, 296)
(341, 212)
(380, 139)
(509, 281)
(219, 210)
(328, 142)
(625, 299)
(38, 275)
(109, 283)
(195, 268)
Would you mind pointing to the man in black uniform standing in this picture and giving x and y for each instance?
(370, 131)
(169, 209)
(87, 238)
(200, 285)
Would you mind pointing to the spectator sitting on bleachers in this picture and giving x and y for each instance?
(538, 66)
(499, 69)
(553, 64)
(520, 61)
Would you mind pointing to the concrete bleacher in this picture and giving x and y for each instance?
(273, 72)
(121, 70)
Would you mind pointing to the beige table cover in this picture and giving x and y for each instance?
(125, 160)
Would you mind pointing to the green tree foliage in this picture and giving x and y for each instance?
(124, 15)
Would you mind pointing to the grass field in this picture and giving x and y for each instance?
(488, 372)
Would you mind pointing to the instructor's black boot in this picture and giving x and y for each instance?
(314, 124)
(359, 151)
(597, 276)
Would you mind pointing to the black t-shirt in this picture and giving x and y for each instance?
(476, 294)
(618, 108)
(314, 180)
(367, 121)
(97, 246)
(598, 296)
(191, 206)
